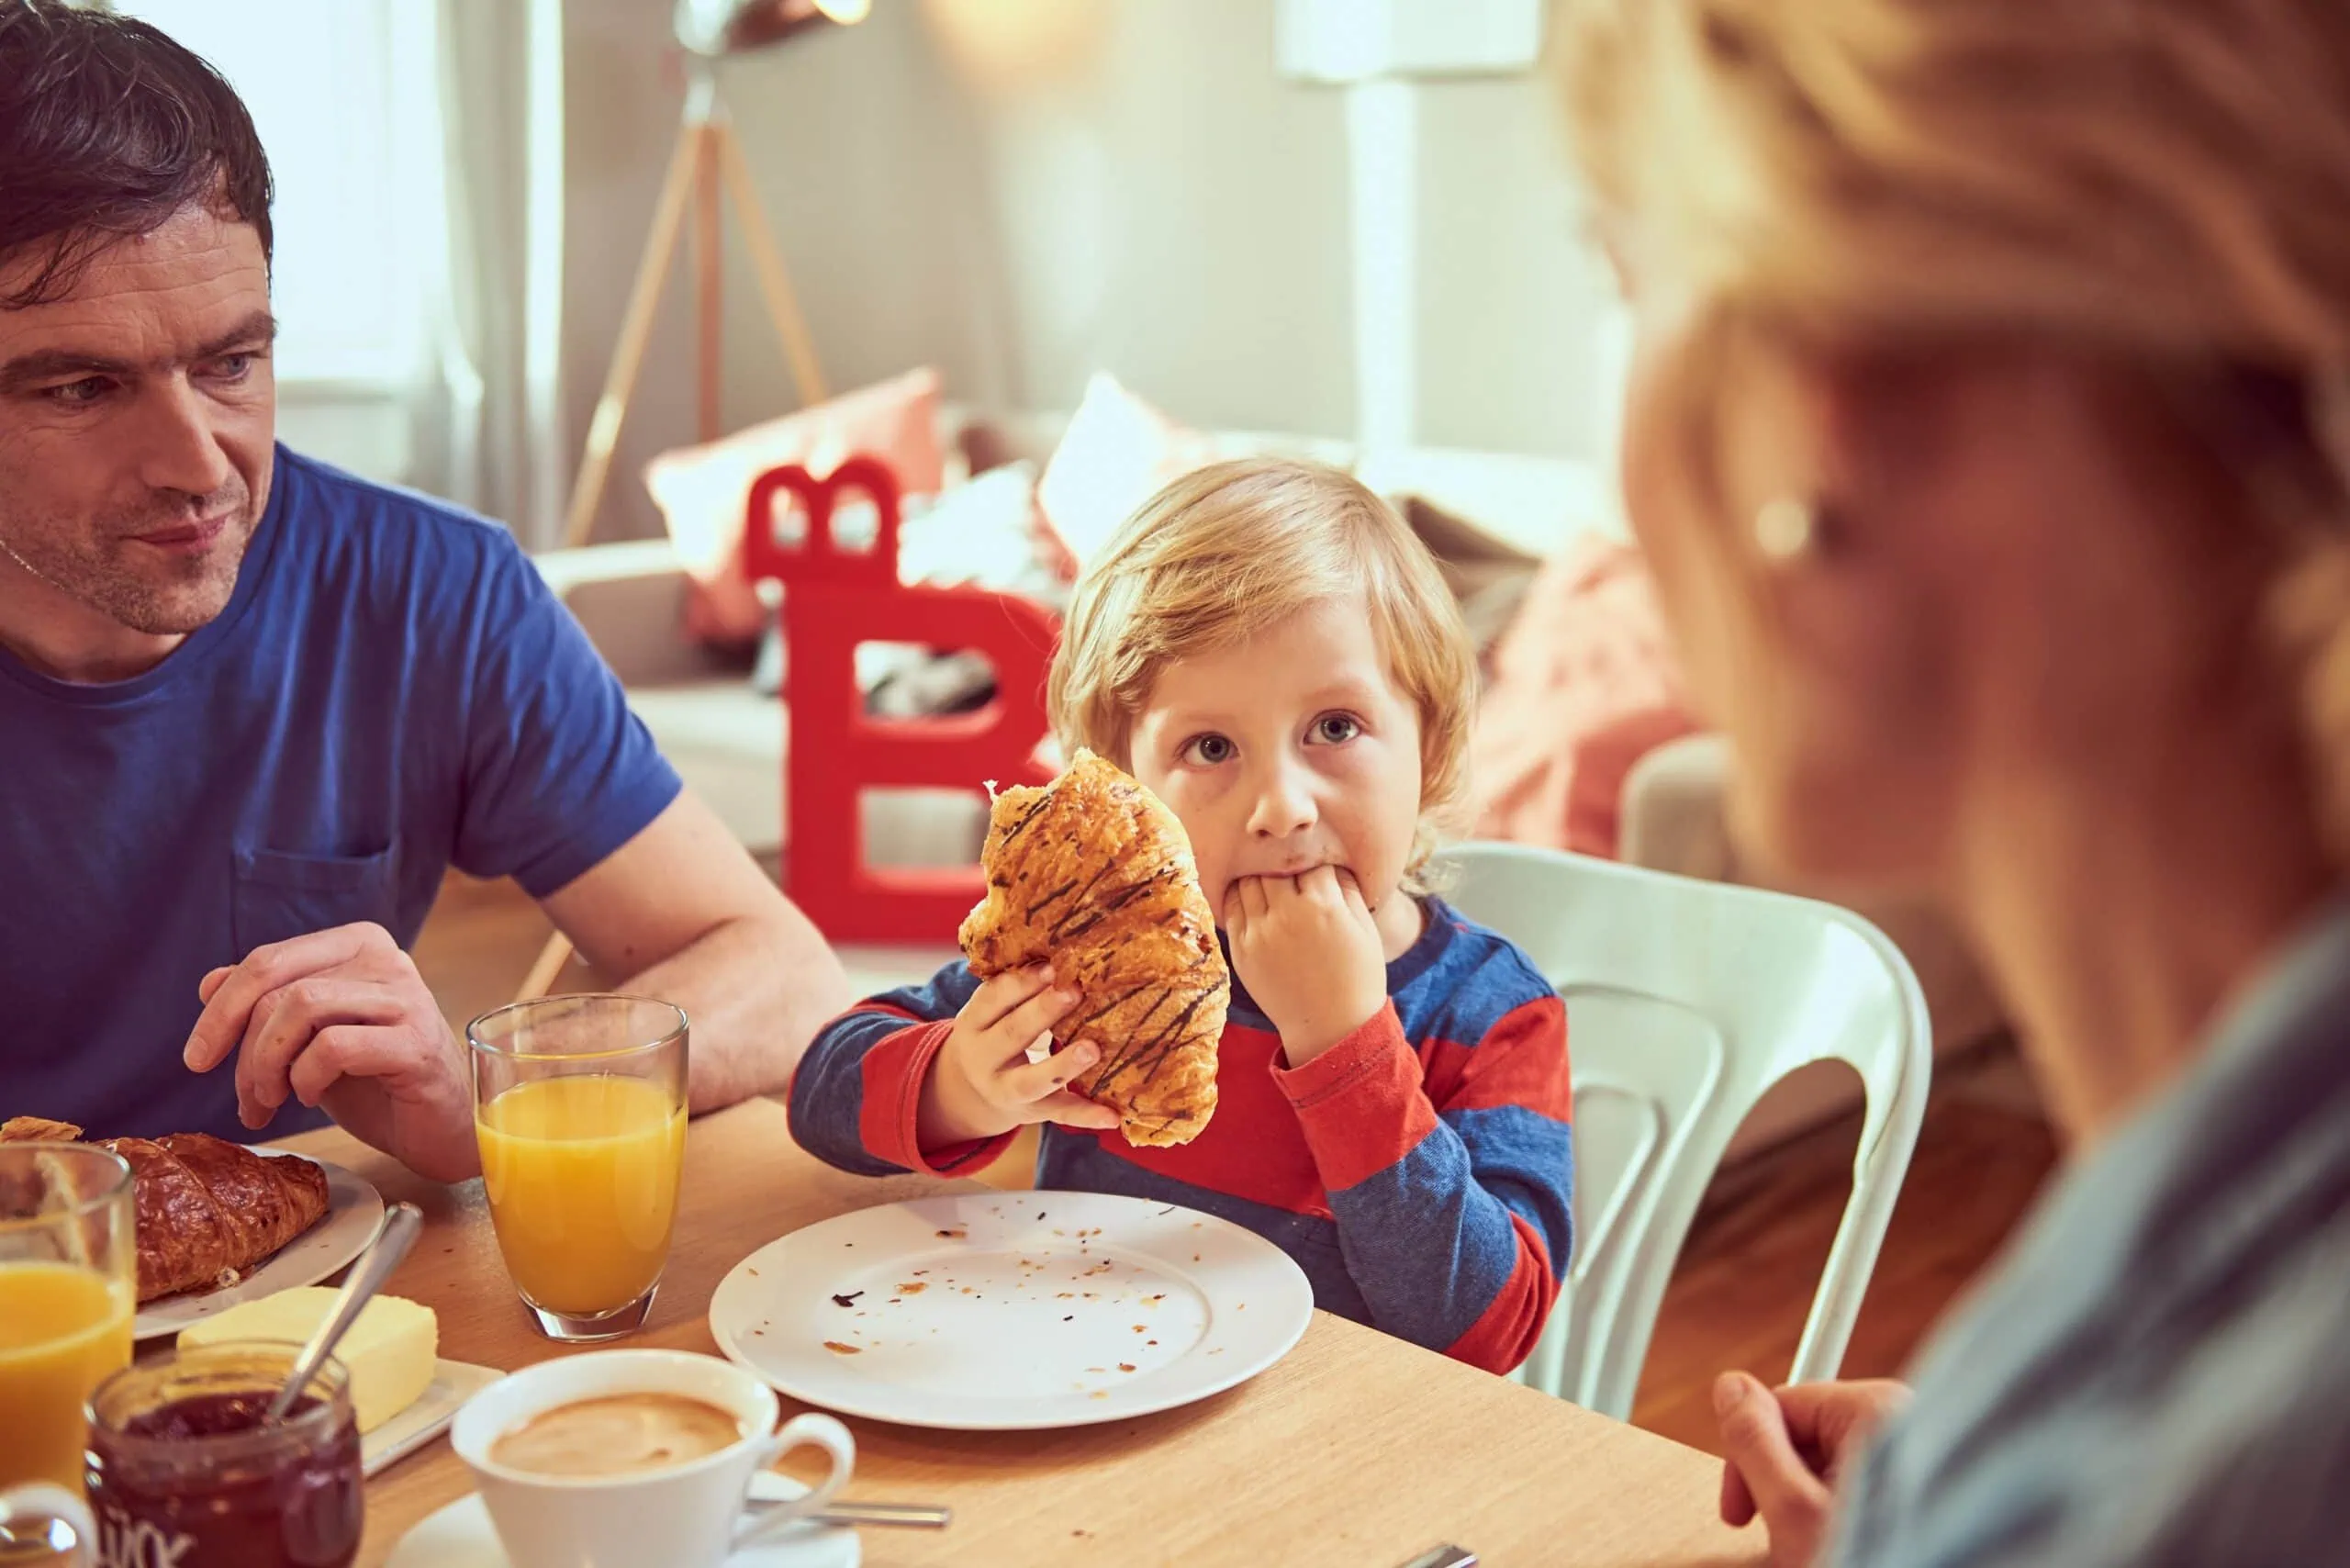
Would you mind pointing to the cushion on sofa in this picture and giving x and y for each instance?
(1583, 685)
(703, 491)
(1116, 454)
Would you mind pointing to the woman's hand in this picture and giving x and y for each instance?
(1783, 1448)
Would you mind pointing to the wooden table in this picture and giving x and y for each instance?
(1357, 1451)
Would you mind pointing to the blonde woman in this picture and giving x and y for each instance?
(1989, 433)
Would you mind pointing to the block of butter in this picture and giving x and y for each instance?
(390, 1352)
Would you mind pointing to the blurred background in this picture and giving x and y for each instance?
(1018, 192)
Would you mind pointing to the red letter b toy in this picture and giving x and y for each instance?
(833, 599)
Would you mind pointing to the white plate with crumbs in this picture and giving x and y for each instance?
(353, 1210)
(1012, 1311)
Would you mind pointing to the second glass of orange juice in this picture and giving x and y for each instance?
(579, 1105)
(68, 1291)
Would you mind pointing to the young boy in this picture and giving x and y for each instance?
(1267, 648)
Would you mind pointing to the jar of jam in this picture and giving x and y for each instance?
(186, 1468)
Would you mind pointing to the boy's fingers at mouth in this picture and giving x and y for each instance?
(1247, 898)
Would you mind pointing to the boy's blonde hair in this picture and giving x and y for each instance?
(1226, 552)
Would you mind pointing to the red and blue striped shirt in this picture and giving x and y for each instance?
(1420, 1171)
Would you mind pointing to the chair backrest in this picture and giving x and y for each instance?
(1685, 1002)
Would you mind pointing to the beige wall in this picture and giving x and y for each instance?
(1135, 189)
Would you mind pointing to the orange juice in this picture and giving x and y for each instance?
(582, 1177)
(62, 1329)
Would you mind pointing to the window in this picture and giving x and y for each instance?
(344, 95)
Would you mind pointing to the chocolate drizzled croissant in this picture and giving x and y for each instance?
(1092, 874)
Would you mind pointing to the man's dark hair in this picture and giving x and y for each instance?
(107, 129)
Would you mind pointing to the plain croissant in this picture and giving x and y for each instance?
(209, 1211)
(1095, 875)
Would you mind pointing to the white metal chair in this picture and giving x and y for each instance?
(1685, 1002)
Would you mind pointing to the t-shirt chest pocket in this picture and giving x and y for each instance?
(279, 896)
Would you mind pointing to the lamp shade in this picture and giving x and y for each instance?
(715, 28)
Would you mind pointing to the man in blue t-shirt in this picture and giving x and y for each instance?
(251, 708)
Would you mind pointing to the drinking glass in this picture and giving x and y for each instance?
(579, 1104)
(69, 1256)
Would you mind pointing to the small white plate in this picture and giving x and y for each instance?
(354, 1208)
(1012, 1311)
(461, 1536)
(427, 1416)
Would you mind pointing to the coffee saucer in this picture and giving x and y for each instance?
(461, 1536)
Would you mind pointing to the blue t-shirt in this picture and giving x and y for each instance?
(392, 689)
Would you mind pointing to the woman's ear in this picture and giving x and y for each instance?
(1790, 420)
(1925, 451)
(1883, 431)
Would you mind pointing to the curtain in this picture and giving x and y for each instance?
(488, 408)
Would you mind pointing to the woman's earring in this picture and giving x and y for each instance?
(1787, 528)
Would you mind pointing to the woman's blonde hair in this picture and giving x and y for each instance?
(1227, 551)
(2170, 182)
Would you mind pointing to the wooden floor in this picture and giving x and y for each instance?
(1752, 1259)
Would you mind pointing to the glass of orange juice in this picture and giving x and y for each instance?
(69, 1257)
(579, 1105)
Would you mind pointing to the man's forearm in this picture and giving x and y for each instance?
(755, 990)
(754, 976)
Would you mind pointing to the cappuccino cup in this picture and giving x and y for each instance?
(635, 1459)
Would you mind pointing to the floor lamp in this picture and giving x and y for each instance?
(708, 168)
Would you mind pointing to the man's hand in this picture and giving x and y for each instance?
(1787, 1446)
(981, 1083)
(1310, 954)
(342, 1019)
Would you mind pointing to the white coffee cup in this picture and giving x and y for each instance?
(683, 1517)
